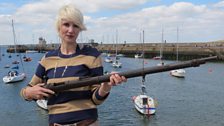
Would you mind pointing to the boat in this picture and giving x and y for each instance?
(15, 62)
(116, 63)
(161, 63)
(138, 56)
(160, 57)
(31, 51)
(108, 60)
(42, 104)
(143, 103)
(14, 76)
(157, 58)
(27, 59)
(179, 72)
(120, 55)
(7, 66)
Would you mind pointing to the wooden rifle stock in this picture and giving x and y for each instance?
(57, 87)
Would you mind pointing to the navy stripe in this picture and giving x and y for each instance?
(73, 117)
(86, 50)
(40, 71)
(90, 51)
(96, 71)
(71, 71)
(52, 53)
(68, 96)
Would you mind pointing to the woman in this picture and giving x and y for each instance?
(70, 62)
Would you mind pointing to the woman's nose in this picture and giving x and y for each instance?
(70, 29)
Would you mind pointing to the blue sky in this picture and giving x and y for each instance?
(198, 20)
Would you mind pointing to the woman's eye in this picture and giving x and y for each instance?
(75, 26)
(66, 24)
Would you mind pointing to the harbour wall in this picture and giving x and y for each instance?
(167, 50)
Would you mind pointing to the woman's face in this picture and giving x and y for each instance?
(68, 31)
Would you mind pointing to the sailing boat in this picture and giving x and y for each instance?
(179, 72)
(14, 75)
(143, 103)
(116, 63)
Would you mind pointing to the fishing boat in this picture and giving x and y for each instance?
(143, 103)
(179, 72)
(13, 76)
(42, 104)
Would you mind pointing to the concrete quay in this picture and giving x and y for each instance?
(185, 51)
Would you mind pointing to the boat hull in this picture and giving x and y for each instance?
(146, 109)
(178, 73)
(11, 79)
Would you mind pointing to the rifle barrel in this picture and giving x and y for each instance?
(57, 87)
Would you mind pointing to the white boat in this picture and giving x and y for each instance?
(42, 104)
(144, 104)
(120, 55)
(178, 73)
(161, 63)
(157, 58)
(138, 55)
(31, 51)
(108, 60)
(14, 76)
(117, 64)
(7, 66)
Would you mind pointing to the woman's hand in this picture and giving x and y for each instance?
(115, 79)
(37, 92)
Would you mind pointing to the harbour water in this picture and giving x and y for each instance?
(196, 100)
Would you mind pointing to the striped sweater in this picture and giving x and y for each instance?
(74, 104)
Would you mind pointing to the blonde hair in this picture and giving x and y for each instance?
(71, 13)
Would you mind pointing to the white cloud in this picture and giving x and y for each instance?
(219, 4)
(197, 22)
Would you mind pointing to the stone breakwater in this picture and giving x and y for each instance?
(168, 50)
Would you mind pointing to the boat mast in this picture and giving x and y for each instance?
(143, 62)
(161, 45)
(177, 53)
(14, 36)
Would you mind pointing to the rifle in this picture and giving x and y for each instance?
(58, 87)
